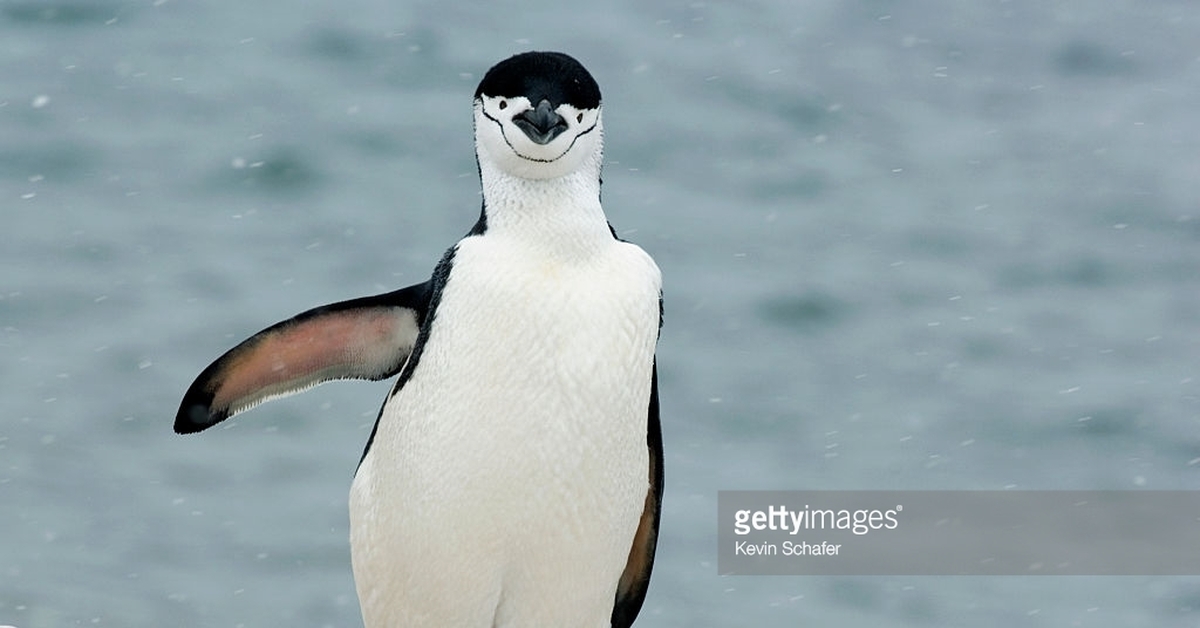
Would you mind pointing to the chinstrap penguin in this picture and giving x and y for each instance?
(514, 473)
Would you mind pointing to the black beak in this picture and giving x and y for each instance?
(541, 124)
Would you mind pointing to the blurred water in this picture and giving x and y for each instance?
(906, 245)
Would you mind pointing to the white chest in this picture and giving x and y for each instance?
(515, 456)
(535, 377)
(535, 318)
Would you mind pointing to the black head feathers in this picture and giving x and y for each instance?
(551, 76)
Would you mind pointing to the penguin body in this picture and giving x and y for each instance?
(514, 474)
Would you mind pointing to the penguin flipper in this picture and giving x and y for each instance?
(366, 338)
(631, 588)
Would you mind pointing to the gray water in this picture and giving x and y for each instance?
(919, 245)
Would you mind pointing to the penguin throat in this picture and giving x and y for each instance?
(563, 213)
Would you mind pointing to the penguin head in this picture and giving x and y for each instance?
(537, 116)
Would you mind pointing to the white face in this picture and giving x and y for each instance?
(500, 140)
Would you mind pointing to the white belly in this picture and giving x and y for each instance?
(507, 477)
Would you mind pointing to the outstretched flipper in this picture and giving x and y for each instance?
(631, 588)
(366, 338)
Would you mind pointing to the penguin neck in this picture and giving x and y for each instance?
(561, 215)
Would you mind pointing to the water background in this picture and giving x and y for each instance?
(919, 245)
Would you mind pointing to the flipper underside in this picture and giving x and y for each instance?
(366, 338)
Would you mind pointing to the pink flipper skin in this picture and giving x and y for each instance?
(368, 338)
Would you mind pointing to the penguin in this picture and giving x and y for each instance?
(514, 473)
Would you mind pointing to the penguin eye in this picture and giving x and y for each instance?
(579, 118)
(504, 104)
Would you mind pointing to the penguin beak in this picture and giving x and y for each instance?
(541, 124)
